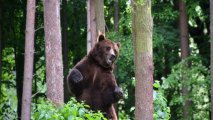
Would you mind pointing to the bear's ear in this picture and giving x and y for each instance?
(101, 36)
(118, 44)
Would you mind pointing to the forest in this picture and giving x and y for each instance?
(164, 67)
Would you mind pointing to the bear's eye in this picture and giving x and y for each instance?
(108, 48)
(116, 52)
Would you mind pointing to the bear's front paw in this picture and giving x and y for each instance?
(118, 93)
(75, 76)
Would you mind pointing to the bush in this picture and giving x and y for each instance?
(73, 110)
(161, 109)
(196, 78)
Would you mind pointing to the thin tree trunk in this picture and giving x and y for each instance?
(211, 38)
(19, 58)
(35, 57)
(183, 21)
(35, 81)
(116, 15)
(91, 25)
(116, 22)
(0, 46)
(53, 51)
(19, 65)
(184, 30)
(99, 12)
(65, 47)
(28, 65)
(95, 21)
(142, 38)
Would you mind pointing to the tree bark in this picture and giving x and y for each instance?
(184, 36)
(19, 58)
(142, 38)
(95, 21)
(19, 61)
(99, 12)
(53, 51)
(65, 47)
(91, 25)
(28, 61)
(116, 15)
(0, 46)
(17, 35)
(211, 38)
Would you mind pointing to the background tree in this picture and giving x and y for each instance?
(91, 24)
(0, 45)
(142, 37)
(211, 39)
(99, 12)
(65, 47)
(19, 52)
(116, 15)
(53, 51)
(28, 61)
(95, 21)
(184, 41)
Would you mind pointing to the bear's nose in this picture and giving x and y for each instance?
(112, 57)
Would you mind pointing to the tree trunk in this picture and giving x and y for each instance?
(19, 58)
(184, 34)
(116, 15)
(211, 38)
(65, 47)
(0, 46)
(95, 21)
(99, 12)
(28, 61)
(53, 51)
(183, 23)
(142, 38)
(91, 24)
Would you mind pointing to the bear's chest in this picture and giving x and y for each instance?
(101, 79)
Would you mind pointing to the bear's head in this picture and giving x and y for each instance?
(105, 52)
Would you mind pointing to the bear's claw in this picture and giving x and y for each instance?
(118, 93)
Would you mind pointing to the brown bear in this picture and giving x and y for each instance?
(92, 79)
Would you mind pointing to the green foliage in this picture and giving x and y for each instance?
(76, 28)
(8, 100)
(194, 10)
(8, 64)
(124, 64)
(125, 24)
(166, 15)
(196, 78)
(165, 39)
(8, 104)
(70, 111)
(161, 109)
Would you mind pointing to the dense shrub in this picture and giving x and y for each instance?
(73, 110)
(161, 109)
(196, 78)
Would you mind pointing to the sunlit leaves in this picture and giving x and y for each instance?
(161, 109)
(70, 111)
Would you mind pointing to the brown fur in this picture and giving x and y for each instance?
(98, 87)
